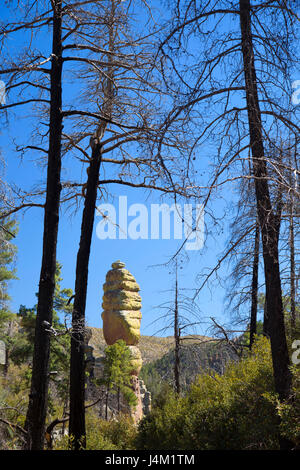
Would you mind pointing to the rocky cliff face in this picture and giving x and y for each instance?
(2, 355)
(121, 306)
(122, 320)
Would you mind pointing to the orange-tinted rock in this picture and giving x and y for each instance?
(136, 360)
(121, 306)
(122, 320)
(137, 413)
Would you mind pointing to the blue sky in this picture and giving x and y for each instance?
(143, 258)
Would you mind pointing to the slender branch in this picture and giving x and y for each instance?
(12, 105)
(13, 425)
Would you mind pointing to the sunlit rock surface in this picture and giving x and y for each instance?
(121, 306)
(122, 320)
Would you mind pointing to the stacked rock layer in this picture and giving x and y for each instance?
(122, 316)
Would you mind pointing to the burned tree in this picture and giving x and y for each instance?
(36, 415)
(121, 112)
(123, 115)
(261, 35)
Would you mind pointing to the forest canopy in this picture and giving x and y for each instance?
(187, 113)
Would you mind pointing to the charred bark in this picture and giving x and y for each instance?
(292, 266)
(266, 320)
(177, 339)
(254, 287)
(269, 223)
(77, 430)
(38, 398)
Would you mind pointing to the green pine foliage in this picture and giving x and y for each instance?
(195, 359)
(226, 403)
(290, 412)
(14, 387)
(22, 347)
(14, 390)
(153, 379)
(236, 410)
(119, 434)
(8, 231)
(117, 371)
(20, 344)
(245, 337)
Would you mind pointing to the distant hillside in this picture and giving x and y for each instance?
(151, 347)
(195, 359)
(198, 354)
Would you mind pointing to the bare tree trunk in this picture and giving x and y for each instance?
(254, 287)
(177, 338)
(266, 320)
(77, 366)
(269, 223)
(106, 403)
(38, 398)
(292, 264)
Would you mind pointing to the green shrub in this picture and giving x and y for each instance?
(290, 412)
(237, 410)
(116, 434)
